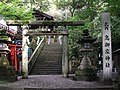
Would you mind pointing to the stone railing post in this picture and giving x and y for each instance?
(24, 55)
(65, 55)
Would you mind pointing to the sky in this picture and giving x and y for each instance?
(53, 11)
(50, 0)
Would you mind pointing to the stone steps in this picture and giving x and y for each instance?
(48, 67)
(92, 88)
(49, 61)
(47, 72)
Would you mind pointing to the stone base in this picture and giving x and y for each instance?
(108, 82)
(85, 75)
(7, 74)
(8, 78)
(84, 78)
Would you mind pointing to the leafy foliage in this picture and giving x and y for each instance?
(71, 5)
(15, 10)
(42, 5)
(90, 12)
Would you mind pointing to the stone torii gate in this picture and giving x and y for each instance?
(105, 26)
(46, 23)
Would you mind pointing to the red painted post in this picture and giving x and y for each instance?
(13, 55)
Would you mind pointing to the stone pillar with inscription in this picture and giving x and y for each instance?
(106, 49)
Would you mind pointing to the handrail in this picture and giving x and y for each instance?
(35, 54)
(116, 51)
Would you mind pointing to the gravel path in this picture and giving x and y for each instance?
(49, 81)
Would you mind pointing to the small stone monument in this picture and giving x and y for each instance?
(85, 71)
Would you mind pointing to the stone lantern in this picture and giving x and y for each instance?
(85, 71)
(7, 72)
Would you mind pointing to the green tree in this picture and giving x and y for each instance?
(90, 12)
(15, 10)
(71, 5)
(113, 8)
(42, 5)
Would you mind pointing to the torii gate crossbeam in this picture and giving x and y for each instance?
(46, 23)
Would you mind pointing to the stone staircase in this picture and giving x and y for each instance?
(49, 62)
